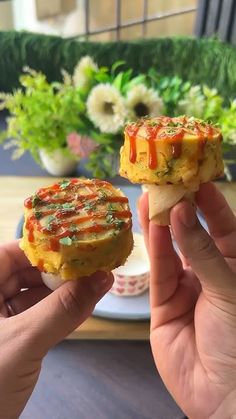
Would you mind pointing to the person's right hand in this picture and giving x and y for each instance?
(193, 309)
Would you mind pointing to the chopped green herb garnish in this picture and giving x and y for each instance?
(102, 195)
(73, 227)
(49, 222)
(50, 218)
(119, 224)
(111, 207)
(110, 218)
(38, 215)
(153, 124)
(64, 183)
(35, 200)
(171, 131)
(67, 241)
(68, 205)
(89, 206)
(53, 206)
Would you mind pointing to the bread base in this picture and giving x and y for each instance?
(51, 281)
(163, 198)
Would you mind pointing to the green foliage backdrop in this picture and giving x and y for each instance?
(198, 60)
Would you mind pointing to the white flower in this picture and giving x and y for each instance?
(83, 71)
(193, 103)
(66, 77)
(142, 101)
(106, 108)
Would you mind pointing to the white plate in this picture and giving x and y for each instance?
(123, 308)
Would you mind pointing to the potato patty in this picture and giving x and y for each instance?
(77, 227)
(163, 150)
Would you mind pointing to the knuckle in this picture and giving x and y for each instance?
(203, 247)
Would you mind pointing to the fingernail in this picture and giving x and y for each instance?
(101, 281)
(187, 215)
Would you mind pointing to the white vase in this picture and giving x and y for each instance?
(58, 163)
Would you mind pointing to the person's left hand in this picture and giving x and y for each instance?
(33, 319)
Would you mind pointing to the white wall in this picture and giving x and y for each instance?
(6, 16)
(24, 12)
(73, 24)
(25, 18)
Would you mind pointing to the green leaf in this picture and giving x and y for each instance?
(66, 241)
(116, 65)
(141, 79)
(118, 81)
(104, 69)
(102, 77)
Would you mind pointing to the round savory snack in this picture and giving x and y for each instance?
(77, 227)
(172, 157)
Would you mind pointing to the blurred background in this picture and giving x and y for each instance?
(68, 17)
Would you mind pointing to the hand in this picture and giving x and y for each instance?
(193, 310)
(41, 320)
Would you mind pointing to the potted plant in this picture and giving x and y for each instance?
(41, 116)
(83, 116)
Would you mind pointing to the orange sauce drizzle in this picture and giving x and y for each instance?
(59, 227)
(132, 131)
(174, 138)
(40, 265)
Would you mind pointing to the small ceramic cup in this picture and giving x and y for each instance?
(132, 278)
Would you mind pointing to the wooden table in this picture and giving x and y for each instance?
(100, 380)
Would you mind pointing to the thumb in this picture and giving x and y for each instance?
(200, 250)
(57, 315)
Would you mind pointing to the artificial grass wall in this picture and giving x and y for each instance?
(198, 60)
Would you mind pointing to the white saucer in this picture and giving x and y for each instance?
(123, 308)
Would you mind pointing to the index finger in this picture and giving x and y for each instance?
(143, 217)
(12, 259)
(165, 263)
